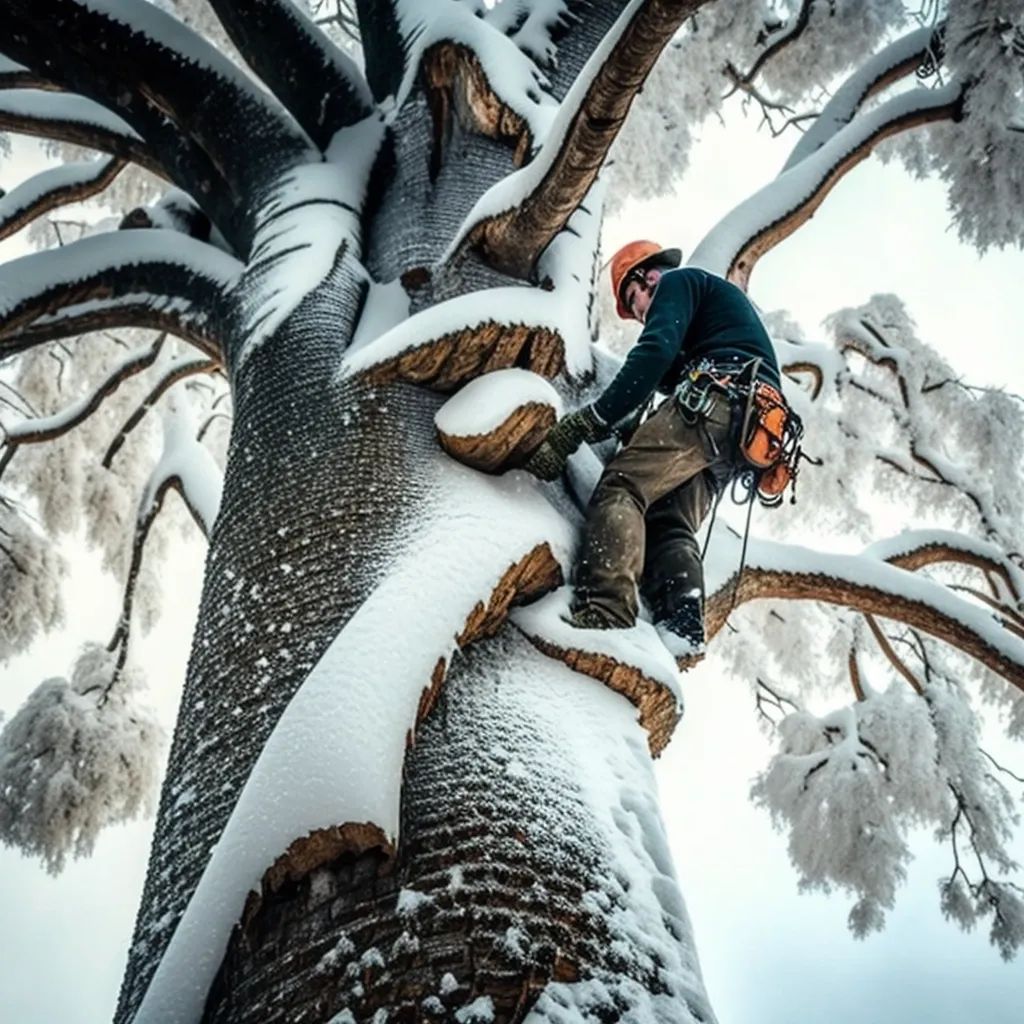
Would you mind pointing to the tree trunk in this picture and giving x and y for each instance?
(529, 825)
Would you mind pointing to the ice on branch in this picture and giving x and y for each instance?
(80, 755)
(31, 575)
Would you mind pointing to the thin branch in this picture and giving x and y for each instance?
(1001, 768)
(59, 186)
(894, 659)
(853, 670)
(46, 428)
(778, 40)
(177, 371)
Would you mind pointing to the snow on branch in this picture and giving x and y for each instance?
(81, 754)
(737, 242)
(16, 76)
(333, 763)
(158, 279)
(66, 117)
(891, 64)
(167, 74)
(867, 584)
(38, 429)
(58, 186)
(515, 220)
(317, 81)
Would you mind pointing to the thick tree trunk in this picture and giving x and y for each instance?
(543, 882)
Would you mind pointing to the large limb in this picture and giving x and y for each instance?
(517, 219)
(873, 586)
(16, 76)
(173, 87)
(70, 183)
(319, 84)
(897, 60)
(156, 279)
(384, 46)
(743, 236)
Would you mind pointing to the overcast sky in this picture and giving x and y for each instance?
(770, 956)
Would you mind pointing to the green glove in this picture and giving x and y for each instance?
(548, 461)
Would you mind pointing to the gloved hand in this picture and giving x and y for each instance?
(548, 461)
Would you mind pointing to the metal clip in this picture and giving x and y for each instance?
(694, 396)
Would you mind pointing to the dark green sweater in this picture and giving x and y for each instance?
(693, 315)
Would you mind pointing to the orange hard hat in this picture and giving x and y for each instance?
(633, 256)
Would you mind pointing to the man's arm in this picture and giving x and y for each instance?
(668, 318)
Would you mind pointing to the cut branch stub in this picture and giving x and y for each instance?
(632, 662)
(459, 86)
(447, 362)
(496, 421)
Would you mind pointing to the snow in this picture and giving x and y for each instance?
(510, 192)
(410, 902)
(638, 646)
(386, 306)
(28, 276)
(314, 211)
(842, 107)
(486, 402)
(479, 1011)
(43, 105)
(64, 176)
(516, 80)
(336, 754)
(716, 251)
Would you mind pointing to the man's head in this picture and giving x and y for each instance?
(635, 271)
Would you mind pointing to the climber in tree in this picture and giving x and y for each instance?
(704, 344)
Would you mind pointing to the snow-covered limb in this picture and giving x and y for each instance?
(867, 584)
(889, 65)
(318, 82)
(172, 86)
(16, 76)
(336, 754)
(58, 186)
(384, 45)
(514, 221)
(70, 118)
(178, 370)
(777, 38)
(734, 245)
(158, 279)
(45, 428)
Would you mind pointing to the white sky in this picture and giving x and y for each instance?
(769, 955)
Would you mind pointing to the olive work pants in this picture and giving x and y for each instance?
(645, 512)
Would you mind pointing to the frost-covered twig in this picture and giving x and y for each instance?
(46, 428)
(179, 370)
(777, 39)
(157, 279)
(1006, 771)
(70, 183)
(516, 220)
(281, 43)
(894, 659)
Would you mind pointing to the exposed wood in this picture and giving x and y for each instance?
(508, 445)
(512, 241)
(894, 659)
(447, 362)
(754, 248)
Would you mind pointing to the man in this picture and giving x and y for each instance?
(702, 342)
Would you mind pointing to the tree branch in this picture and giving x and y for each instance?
(872, 587)
(178, 370)
(46, 428)
(156, 279)
(894, 659)
(517, 219)
(171, 85)
(69, 118)
(384, 48)
(16, 76)
(742, 237)
(59, 186)
(778, 41)
(318, 82)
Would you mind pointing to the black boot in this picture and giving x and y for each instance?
(682, 631)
